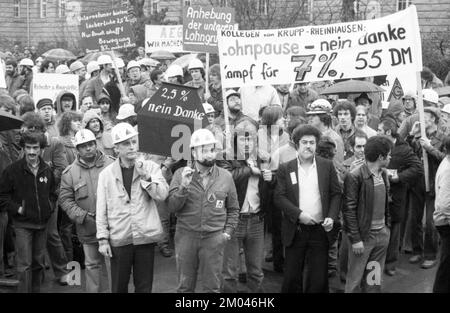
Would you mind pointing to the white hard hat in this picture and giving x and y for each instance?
(195, 63)
(122, 132)
(208, 108)
(119, 63)
(104, 59)
(231, 92)
(62, 69)
(125, 111)
(446, 109)
(75, 66)
(92, 67)
(132, 64)
(174, 70)
(319, 106)
(84, 135)
(26, 62)
(202, 137)
(430, 95)
(411, 94)
(148, 62)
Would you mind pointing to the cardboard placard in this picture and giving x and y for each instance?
(163, 37)
(201, 24)
(323, 52)
(106, 30)
(50, 85)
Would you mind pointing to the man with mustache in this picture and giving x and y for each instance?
(26, 186)
(309, 195)
(205, 201)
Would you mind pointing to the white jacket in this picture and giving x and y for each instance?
(125, 221)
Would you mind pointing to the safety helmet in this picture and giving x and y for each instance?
(132, 64)
(75, 66)
(232, 92)
(62, 69)
(411, 94)
(430, 95)
(84, 135)
(119, 63)
(104, 59)
(92, 67)
(446, 109)
(26, 62)
(208, 108)
(122, 132)
(319, 106)
(126, 110)
(202, 137)
(174, 70)
(195, 63)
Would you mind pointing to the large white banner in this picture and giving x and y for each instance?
(50, 85)
(163, 37)
(323, 52)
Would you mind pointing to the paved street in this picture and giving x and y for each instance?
(410, 278)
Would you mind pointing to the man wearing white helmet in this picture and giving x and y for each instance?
(79, 69)
(62, 69)
(174, 74)
(135, 77)
(78, 199)
(128, 224)
(197, 72)
(430, 99)
(204, 199)
(26, 70)
(127, 114)
(319, 116)
(148, 65)
(94, 86)
(92, 70)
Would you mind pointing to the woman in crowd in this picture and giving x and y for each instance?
(94, 123)
(68, 126)
(47, 66)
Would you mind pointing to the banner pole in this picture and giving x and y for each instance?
(422, 129)
(119, 78)
(207, 74)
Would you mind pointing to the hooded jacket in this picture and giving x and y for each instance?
(78, 194)
(57, 104)
(107, 122)
(104, 139)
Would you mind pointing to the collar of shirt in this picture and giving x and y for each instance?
(206, 173)
(299, 162)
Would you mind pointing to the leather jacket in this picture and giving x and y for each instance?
(358, 203)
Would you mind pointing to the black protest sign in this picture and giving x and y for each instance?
(167, 120)
(106, 30)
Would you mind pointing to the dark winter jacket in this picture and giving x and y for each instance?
(19, 187)
(358, 203)
(409, 170)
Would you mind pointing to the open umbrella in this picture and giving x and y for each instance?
(9, 121)
(59, 55)
(93, 56)
(352, 86)
(162, 55)
(168, 119)
(184, 60)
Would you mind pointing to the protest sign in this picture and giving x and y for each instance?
(106, 30)
(50, 85)
(168, 118)
(2, 74)
(163, 37)
(324, 52)
(200, 26)
(398, 83)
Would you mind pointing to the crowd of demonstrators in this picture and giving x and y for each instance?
(318, 186)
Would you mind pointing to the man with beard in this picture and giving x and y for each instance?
(14, 80)
(78, 199)
(309, 195)
(128, 224)
(26, 70)
(27, 191)
(204, 199)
